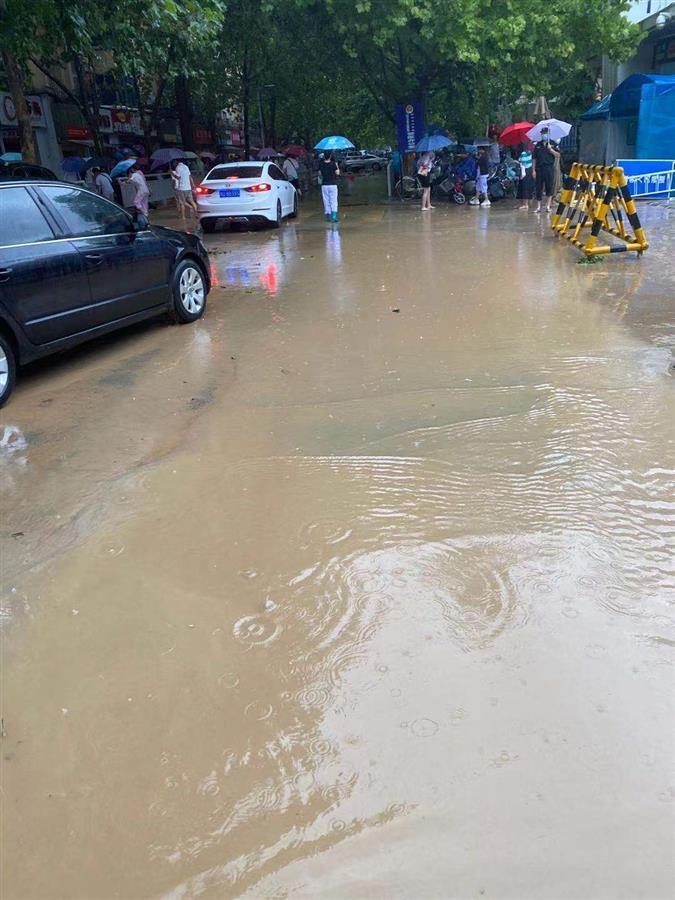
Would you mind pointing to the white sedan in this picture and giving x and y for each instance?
(245, 192)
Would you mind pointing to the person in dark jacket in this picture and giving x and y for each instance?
(328, 173)
(544, 156)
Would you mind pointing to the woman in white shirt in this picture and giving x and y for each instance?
(182, 185)
(142, 191)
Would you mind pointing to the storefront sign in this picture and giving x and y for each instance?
(649, 177)
(78, 133)
(8, 112)
(202, 136)
(119, 120)
(409, 124)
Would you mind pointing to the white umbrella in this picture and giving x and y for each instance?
(554, 129)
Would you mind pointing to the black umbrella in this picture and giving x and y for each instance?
(100, 162)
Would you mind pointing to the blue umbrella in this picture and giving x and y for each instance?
(72, 164)
(432, 142)
(122, 167)
(334, 142)
(11, 157)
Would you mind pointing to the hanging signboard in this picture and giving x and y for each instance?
(8, 112)
(409, 124)
(649, 177)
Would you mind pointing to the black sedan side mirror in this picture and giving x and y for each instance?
(141, 222)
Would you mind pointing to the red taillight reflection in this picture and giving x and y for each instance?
(259, 188)
(203, 191)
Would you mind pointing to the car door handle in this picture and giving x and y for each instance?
(4, 274)
(94, 258)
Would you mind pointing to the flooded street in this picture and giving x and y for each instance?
(360, 587)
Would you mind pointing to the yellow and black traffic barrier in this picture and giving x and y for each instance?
(598, 197)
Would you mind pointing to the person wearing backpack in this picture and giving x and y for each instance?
(103, 184)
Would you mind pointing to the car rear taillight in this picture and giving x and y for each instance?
(202, 191)
(259, 188)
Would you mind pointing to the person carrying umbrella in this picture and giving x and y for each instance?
(328, 173)
(544, 156)
(424, 167)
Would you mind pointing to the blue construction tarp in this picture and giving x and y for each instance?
(626, 99)
(636, 120)
(656, 124)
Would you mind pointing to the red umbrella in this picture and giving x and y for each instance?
(515, 134)
(295, 150)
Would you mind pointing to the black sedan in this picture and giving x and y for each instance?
(19, 171)
(74, 266)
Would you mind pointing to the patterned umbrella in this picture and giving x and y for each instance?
(334, 142)
(433, 142)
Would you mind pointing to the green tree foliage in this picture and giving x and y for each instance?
(312, 67)
(467, 54)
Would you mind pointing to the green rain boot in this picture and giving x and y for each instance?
(334, 217)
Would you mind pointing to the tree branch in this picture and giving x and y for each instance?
(60, 85)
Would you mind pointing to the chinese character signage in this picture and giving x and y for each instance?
(649, 177)
(409, 124)
(8, 113)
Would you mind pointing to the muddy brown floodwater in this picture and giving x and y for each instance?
(360, 587)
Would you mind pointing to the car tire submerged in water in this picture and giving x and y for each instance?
(208, 226)
(188, 290)
(7, 370)
(275, 223)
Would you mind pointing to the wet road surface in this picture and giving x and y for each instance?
(360, 587)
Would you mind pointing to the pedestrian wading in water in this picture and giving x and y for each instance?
(141, 191)
(481, 198)
(545, 156)
(424, 167)
(328, 173)
(526, 181)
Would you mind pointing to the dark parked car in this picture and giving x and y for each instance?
(19, 171)
(74, 266)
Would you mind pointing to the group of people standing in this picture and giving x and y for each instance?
(539, 173)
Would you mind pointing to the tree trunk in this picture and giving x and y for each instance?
(16, 89)
(246, 102)
(185, 111)
(273, 121)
